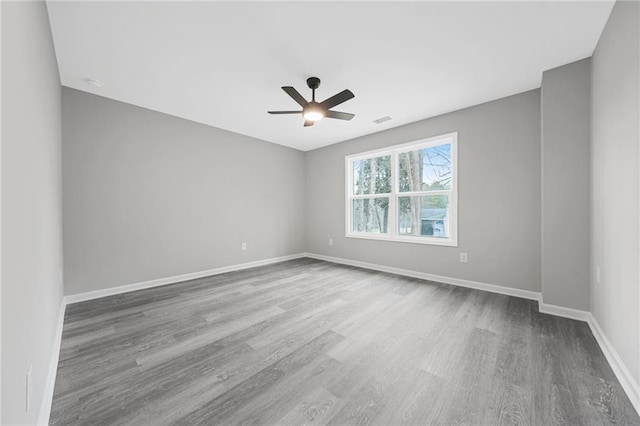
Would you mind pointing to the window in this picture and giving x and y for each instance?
(406, 192)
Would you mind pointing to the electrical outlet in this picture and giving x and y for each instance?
(28, 387)
(464, 258)
(330, 241)
(243, 247)
(598, 274)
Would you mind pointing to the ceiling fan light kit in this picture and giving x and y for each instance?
(313, 111)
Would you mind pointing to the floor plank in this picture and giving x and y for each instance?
(312, 342)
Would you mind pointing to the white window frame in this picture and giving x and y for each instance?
(394, 151)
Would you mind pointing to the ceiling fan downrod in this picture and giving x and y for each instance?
(313, 83)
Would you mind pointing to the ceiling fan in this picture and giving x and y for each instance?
(314, 111)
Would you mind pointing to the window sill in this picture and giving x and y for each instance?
(447, 242)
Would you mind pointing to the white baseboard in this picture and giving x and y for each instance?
(619, 368)
(90, 295)
(50, 383)
(525, 294)
(561, 311)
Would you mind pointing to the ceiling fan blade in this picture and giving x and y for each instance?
(308, 123)
(339, 115)
(284, 112)
(295, 95)
(341, 97)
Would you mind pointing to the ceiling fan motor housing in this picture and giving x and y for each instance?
(313, 83)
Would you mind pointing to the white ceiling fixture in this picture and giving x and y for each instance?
(223, 63)
(94, 83)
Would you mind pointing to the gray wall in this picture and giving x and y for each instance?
(565, 185)
(615, 226)
(149, 196)
(31, 205)
(499, 196)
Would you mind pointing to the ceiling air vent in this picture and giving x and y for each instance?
(382, 120)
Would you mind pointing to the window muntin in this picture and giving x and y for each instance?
(405, 193)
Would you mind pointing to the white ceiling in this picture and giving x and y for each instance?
(223, 63)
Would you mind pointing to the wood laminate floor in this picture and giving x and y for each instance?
(311, 342)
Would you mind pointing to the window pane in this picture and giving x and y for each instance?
(371, 215)
(426, 216)
(372, 176)
(425, 169)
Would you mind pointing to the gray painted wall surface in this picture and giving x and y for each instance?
(615, 225)
(31, 205)
(499, 196)
(149, 196)
(566, 111)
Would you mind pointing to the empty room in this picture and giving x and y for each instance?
(313, 212)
